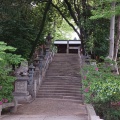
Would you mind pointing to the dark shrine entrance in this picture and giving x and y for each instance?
(67, 46)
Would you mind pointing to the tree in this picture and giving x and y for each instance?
(112, 32)
(19, 21)
(17, 29)
(117, 40)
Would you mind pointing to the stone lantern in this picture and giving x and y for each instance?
(21, 92)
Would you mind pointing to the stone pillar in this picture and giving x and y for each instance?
(37, 76)
(68, 47)
(21, 93)
(35, 88)
(47, 52)
(31, 72)
(31, 80)
(51, 56)
(78, 50)
(41, 63)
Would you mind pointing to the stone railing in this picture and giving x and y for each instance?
(41, 69)
(91, 113)
(27, 86)
(90, 109)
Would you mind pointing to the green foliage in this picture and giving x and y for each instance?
(102, 88)
(103, 9)
(20, 23)
(6, 80)
(64, 32)
(97, 41)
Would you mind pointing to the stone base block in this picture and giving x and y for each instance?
(26, 93)
(23, 99)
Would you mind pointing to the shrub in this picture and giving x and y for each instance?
(6, 80)
(102, 89)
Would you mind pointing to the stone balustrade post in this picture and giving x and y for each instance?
(41, 63)
(35, 88)
(36, 62)
(31, 73)
(51, 57)
(31, 80)
(67, 47)
(37, 76)
(47, 52)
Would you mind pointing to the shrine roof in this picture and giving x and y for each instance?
(56, 42)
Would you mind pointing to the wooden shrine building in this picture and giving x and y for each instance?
(67, 46)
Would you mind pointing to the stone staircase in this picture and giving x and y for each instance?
(62, 80)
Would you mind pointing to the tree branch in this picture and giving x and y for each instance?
(57, 8)
(47, 7)
(71, 12)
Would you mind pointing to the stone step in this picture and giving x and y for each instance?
(64, 65)
(65, 77)
(64, 71)
(59, 91)
(59, 94)
(68, 65)
(61, 83)
(61, 74)
(68, 98)
(54, 67)
(63, 100)
(62, 80)
(68, 59)
(59, 88)
(78, 76)
(62, 86)
(65, 59)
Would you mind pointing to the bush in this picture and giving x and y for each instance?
(6, 80)
(102, 89)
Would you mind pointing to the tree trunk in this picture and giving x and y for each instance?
(41, 28)
(117, 40)
(117, 46)
(82, 41)
(112, 30)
